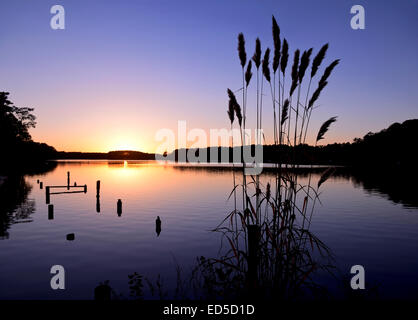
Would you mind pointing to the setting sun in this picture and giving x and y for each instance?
(122, 142)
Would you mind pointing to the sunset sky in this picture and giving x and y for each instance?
(122, 70)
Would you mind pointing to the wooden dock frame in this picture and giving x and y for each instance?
(68, 187)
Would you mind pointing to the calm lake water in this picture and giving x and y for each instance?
(364, 222)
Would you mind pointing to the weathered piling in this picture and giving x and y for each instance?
(98, 187)
(68, 180)
(41, 185)
(51, 212)
(85, 188)
(47, 195)
(119, 207)
(70, 236)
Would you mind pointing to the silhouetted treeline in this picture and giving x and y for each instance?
(393, 146)
(16, 145)
(112, 155)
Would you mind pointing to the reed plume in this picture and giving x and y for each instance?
(322, 82)
(285, 56)
(295, 65)
(266, 69)
(324, 128)
(295, 71)
(316, 94)
(232, 97)
(276, 33)
(248, 74)
(318, 59)
(237, 109)
(233, 103)
(304, 63)
(257, 53)
(230, 111)
(328, 70)
(241, 50)
(277, 45)
(285, 111)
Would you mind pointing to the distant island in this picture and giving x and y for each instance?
(391, 147)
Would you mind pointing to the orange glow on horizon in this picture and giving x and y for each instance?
(128, 142)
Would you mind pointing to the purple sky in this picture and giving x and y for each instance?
(121, 70)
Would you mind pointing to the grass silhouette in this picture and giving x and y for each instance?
(271, 249)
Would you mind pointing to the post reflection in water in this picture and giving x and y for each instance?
(50, 212)
(98, 204)
(15, 207)
(98, 196)
(158, 226)
(364, 218)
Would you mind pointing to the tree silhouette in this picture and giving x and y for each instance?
(14, 121)
(15, 140)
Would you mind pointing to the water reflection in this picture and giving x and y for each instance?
(397, 186)
(15, 207)
(158, 226)
(98, 196)
(360, 229)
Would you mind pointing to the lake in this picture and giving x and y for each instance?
(365, 219)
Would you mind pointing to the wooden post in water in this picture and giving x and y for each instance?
(68, 180)
(98, 196)
(41, 185)
(51, 212)
(85, 188)
(47, 195)
(253, 248)
(119, 209)
(70, 236)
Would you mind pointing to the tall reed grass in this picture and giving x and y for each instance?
(270, 245)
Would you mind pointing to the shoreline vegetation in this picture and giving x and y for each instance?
(389, 147)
